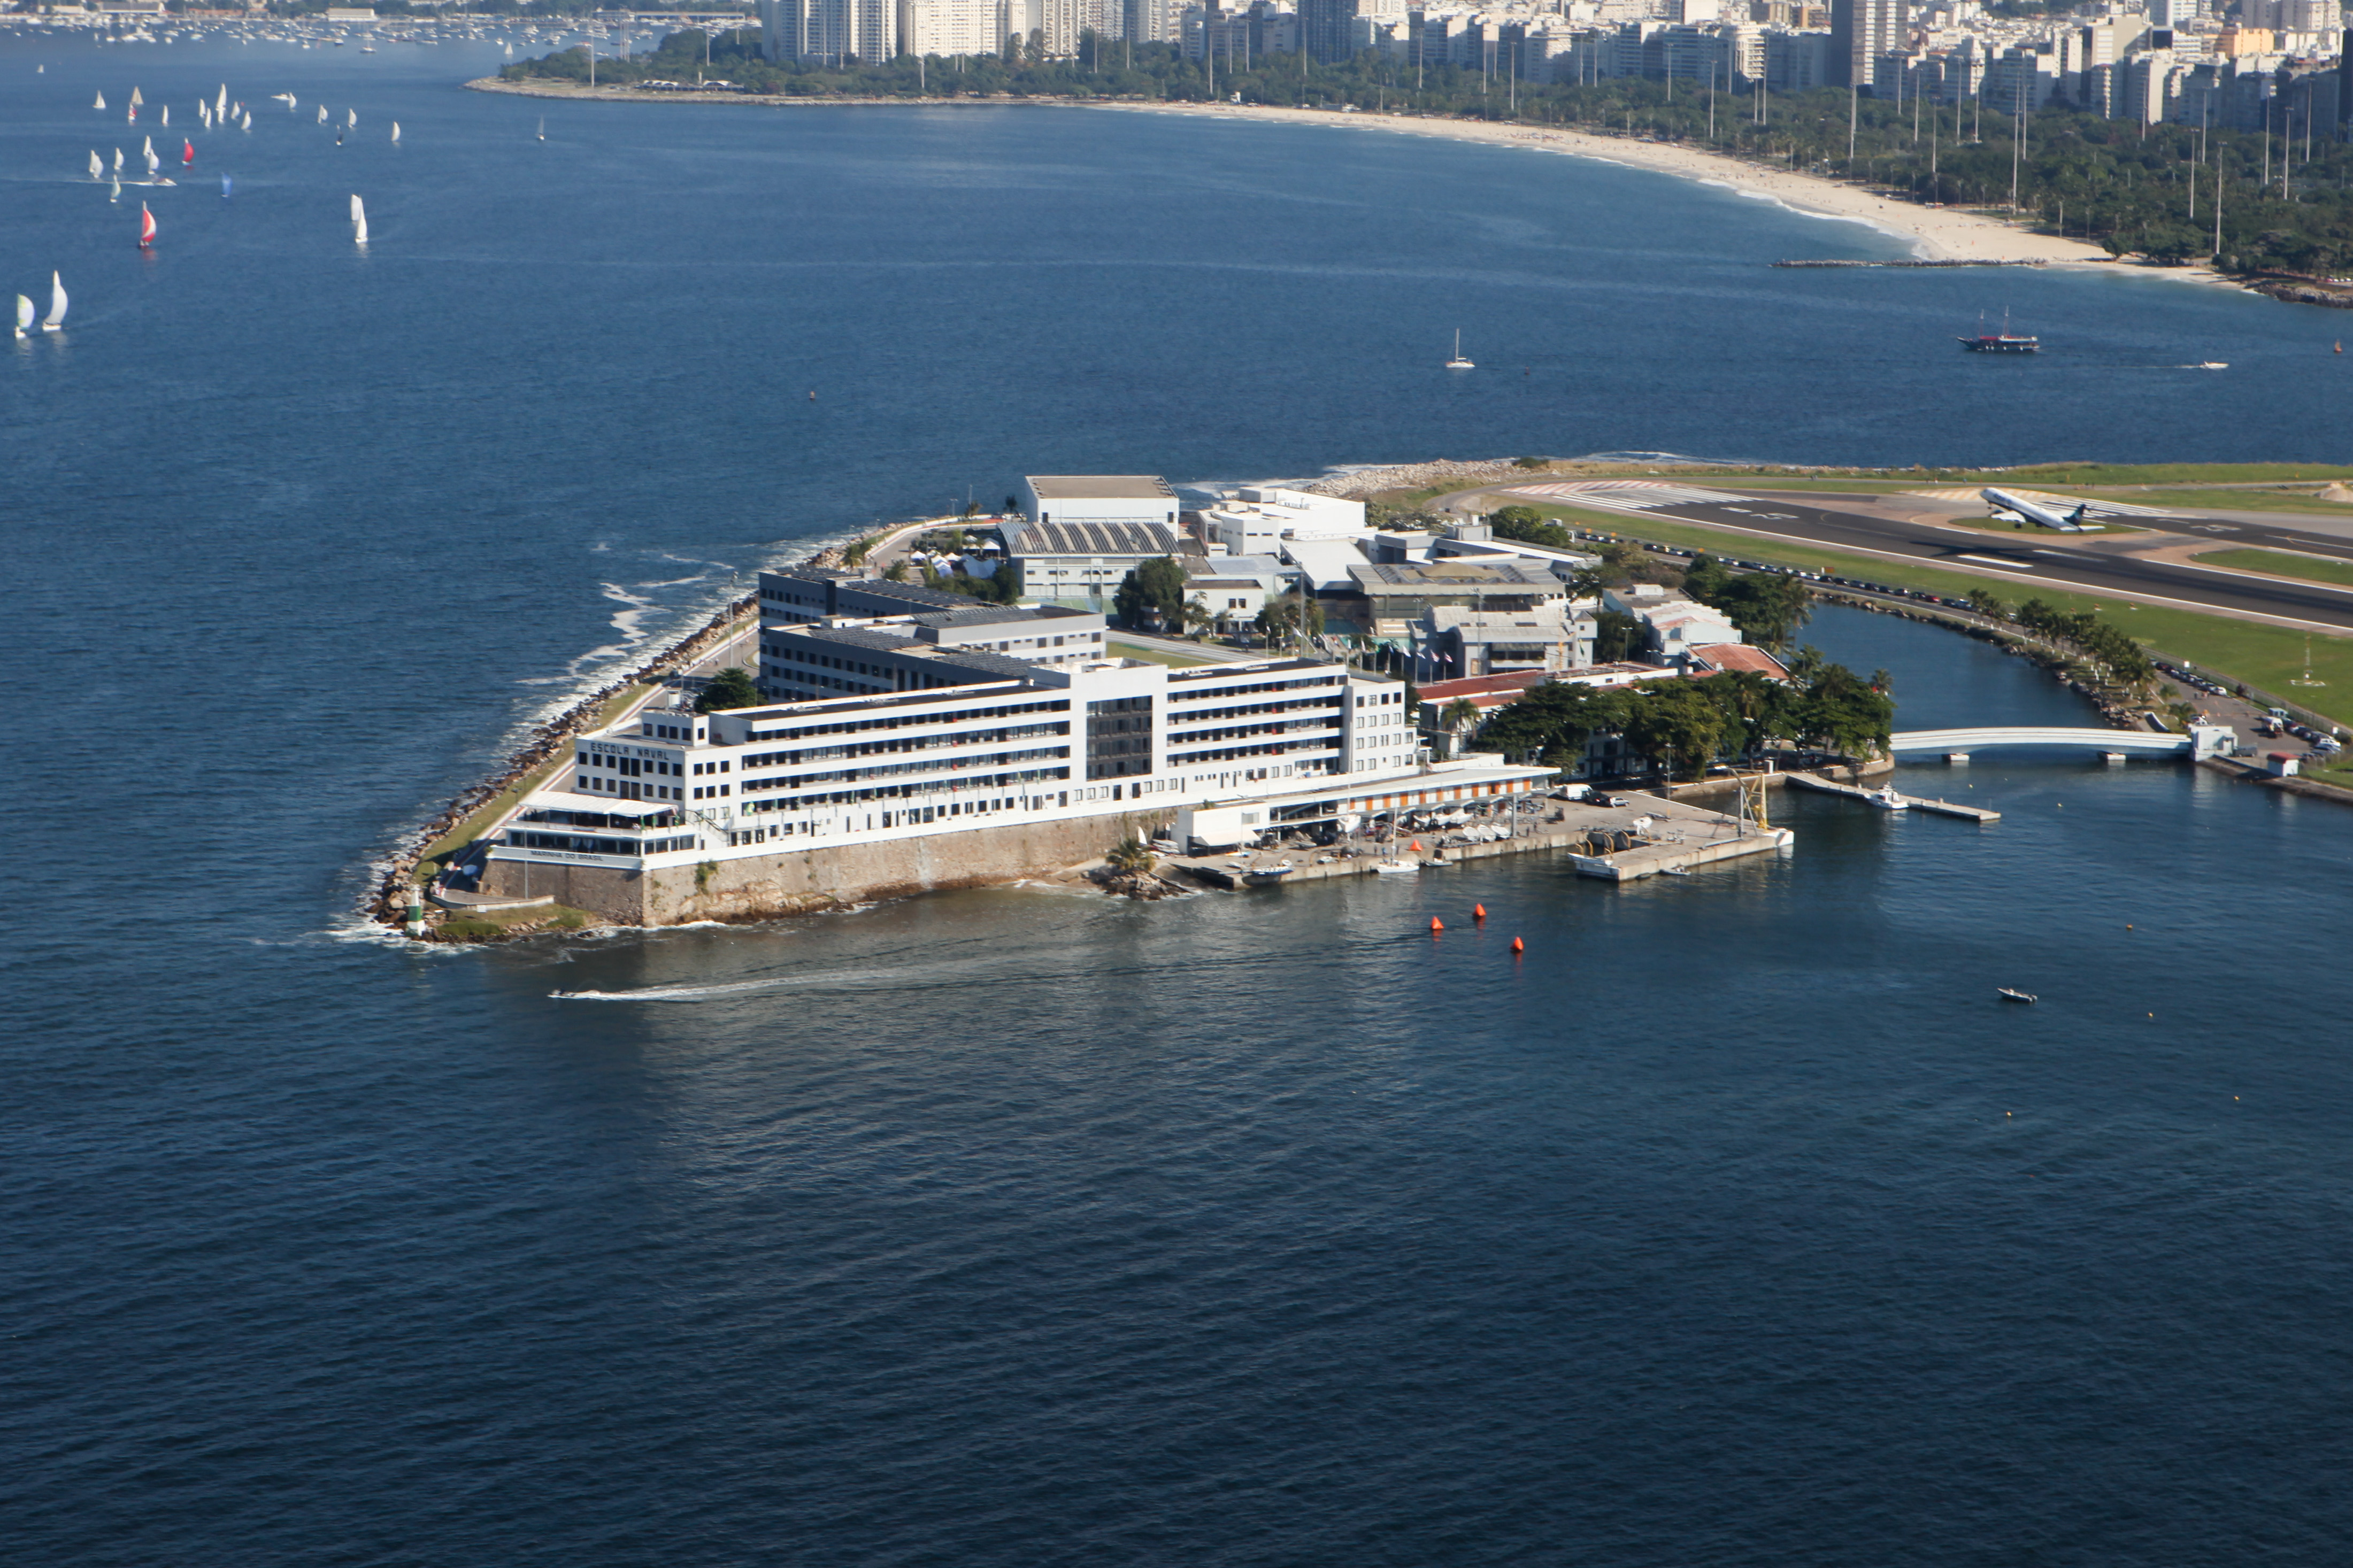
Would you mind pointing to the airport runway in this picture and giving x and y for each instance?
(2028, 558)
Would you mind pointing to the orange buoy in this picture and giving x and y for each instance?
(1518, 946)
(1415, 845)
(1479, 911)
(1436, 925)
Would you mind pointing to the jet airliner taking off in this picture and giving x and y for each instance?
(2007, 508)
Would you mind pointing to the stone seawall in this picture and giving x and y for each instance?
(798, 879)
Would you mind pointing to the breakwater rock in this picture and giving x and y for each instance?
(388, 901)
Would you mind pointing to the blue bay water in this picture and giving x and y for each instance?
(1735, 1224)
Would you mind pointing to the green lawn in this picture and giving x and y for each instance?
(2170, 473)
(2103, 474)
(2281, 563)
(2237, 500)
(2261, 656)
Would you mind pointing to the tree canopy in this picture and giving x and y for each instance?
(1527, 525)
(731, 688)
(1151, 592)
(1680, 726)
(1767, 606)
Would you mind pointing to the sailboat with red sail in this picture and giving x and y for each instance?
(187, 152)
(146, 227)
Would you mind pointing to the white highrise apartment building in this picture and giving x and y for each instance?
(833, 32)
(947, 27)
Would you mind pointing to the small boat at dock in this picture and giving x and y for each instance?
(1885, 798)
(1267, 876)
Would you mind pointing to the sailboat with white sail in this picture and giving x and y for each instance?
(395, 130)
(24, 315)
(118, 159)
(351, 120)
(167, 114)
(56, 318)
(114, 188)
(1458, 361)
(543, 127)
(322, 114)
(221, 107)
(101, 103)
(359, 221)
(96, 165)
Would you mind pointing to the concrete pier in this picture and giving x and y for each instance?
(1911, 802)
(1669, 836)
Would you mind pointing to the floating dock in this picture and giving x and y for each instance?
(1911, 802)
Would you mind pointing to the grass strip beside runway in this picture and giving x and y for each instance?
(2312, 568)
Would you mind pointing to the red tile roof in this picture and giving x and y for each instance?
(1734, 656)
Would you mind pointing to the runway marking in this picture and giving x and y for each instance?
(1628, 495)
(1991, 561)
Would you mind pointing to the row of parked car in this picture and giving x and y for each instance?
(2274, 721)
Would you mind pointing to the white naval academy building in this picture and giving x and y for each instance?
(891, 733)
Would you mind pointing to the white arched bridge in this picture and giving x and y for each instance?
(2203, 741)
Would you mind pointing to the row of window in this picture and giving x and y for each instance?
(896, 721)
(899, 792)
(1227, 753)
(633, 767)
(630, 789)
(891, 770)
(1237, 731)
(578, 844)
(1178, 693)
(910, 743)
(1210, 715)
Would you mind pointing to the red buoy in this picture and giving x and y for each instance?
(1518, 946)
(1436, 925)
(1479, 911)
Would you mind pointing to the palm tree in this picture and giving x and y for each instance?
(1198, 617)
(1460, 715)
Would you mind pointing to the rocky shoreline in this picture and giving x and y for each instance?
(389, 902)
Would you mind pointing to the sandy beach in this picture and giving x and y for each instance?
(1934, 234)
